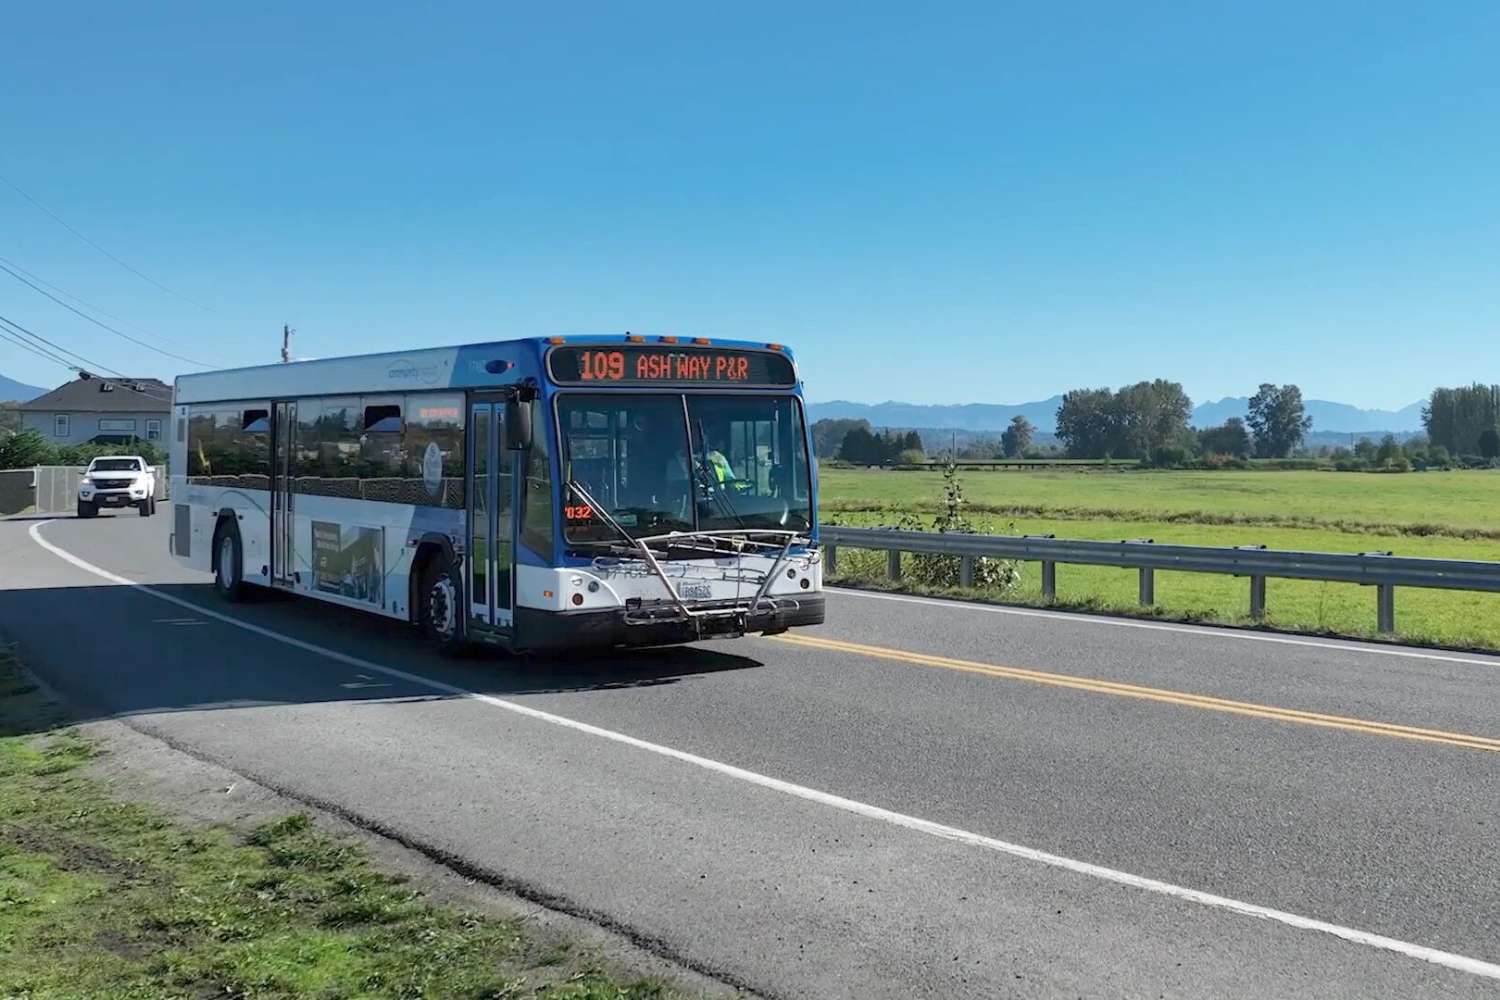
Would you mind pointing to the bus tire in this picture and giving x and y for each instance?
(229, 562)
(439, 611)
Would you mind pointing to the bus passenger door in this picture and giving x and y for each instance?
(283, 554)
(491, 522)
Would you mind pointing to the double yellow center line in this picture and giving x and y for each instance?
(1169, 697)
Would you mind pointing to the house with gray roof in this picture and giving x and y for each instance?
(94, 409)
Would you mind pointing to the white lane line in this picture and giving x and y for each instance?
(1460, 963)
(1212, 633)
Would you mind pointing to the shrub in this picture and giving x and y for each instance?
(911, 456)
(25, 449)
(1168, 457)
(930, 569)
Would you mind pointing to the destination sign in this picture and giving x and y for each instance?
(645, 364)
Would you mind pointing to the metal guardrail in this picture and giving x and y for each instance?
(1380, 570)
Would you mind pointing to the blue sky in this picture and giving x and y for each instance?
(975, 204)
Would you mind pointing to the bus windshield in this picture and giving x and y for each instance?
(660, 463)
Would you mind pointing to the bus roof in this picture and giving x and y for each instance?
(462, 366)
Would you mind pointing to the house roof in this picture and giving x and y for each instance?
(105, 395)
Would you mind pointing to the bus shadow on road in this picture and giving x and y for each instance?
(114, 651)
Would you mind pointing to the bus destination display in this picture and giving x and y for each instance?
(642, 364)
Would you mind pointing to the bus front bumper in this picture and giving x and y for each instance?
(544, 630)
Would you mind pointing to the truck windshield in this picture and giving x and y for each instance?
(115, 465)
(660, 463)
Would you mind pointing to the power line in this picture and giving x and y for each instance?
(47, 355)
(83, 301)
(60, 221)
(58, 347)
(125, 380)
(104, 326)
(40, 352)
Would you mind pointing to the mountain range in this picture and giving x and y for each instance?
(20, 392)
(1327, 415)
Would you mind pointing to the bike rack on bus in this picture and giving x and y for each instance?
(730, 541)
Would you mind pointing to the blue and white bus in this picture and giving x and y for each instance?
(535, 494)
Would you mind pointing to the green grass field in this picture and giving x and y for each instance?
(1453, 515)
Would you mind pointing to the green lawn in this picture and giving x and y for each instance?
(1444, 515)
(101, 898)
(1459, 502)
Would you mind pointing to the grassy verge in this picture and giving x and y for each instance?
(105, 898)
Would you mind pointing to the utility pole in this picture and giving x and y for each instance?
(286, 344)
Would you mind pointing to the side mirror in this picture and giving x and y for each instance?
(517, 424)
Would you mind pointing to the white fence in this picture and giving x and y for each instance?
(51, 489)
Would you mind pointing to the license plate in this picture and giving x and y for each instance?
(694, 591)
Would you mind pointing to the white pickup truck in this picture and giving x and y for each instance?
(117, 481)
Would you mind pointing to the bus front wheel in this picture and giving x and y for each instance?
(440, 608)
(229, 566)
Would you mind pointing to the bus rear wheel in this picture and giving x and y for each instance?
(439, 613)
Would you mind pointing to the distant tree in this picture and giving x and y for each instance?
(912, 441)
(1017, 437)
(860, 447)
(1279, 420)
(1455, 418)
(25, 449)
(828, 434)
(1389, 450)
(1152, 415)
(1365, 450)
(1489, 443)
(1130, 423)
(1086, 423)
(1229, 438)
(1438, 455)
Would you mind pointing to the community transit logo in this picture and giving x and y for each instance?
(410, 373)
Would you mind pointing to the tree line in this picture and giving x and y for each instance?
(1150, 422)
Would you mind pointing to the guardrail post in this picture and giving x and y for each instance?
(1148, 576)
(1049, 581)
(1386, 607)
(966, 571)
(1258, 598)
(830, 560)
(893, 564)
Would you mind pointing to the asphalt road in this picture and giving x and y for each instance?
(918, 799)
